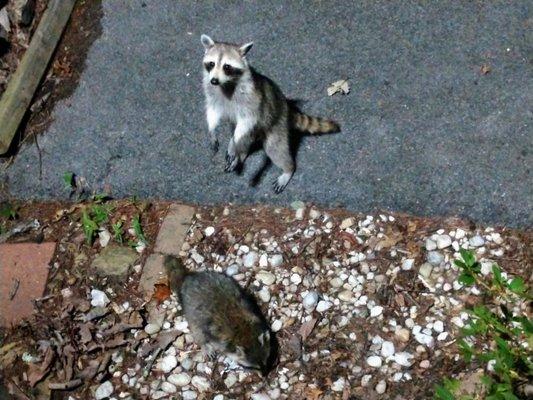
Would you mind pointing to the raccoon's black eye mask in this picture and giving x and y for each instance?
(231, 71)
(209, 65)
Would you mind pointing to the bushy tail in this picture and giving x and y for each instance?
(314, 125)
(176, 272)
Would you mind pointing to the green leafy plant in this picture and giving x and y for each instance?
(69, 180)
(137, 228)
(8, 211)
(93, 218)
(495, 334)
(118, 231)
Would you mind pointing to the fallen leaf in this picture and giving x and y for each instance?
(38, 372)
(340, 86)
(485, 69)
(85, 334)
(306, 329)
(161, 292)
(313, 393)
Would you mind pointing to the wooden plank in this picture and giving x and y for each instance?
(25, 80)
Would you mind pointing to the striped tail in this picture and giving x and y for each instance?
(314, 125)
(176, 273)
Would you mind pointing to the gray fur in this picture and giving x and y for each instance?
(253, 103)
(221, 317)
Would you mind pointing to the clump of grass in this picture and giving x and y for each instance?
(93, 218)
(118, 231)
(498, 335)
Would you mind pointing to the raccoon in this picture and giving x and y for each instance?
(255, 105)
(222, 317)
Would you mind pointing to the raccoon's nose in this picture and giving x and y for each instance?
(214, 81)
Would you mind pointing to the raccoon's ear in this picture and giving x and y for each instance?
(245, 48)
(207, 42)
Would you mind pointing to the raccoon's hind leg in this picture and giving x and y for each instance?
(277, 148)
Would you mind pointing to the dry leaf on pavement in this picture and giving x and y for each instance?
(340, 86)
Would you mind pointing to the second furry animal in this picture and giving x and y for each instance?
(221, 316)
(257, 107)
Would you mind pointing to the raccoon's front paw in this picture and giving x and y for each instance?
(232, 162)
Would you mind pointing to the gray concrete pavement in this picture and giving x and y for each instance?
(423, 130)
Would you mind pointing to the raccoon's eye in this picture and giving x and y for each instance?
(209, 65)
(228, 69)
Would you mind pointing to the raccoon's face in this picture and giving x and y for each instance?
(257, 355)
(224, 63)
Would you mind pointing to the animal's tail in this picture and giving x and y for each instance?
(176, 272)
(314, 125)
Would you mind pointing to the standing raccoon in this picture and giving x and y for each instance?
(236, 92)
(221, 316)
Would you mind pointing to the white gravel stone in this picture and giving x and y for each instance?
(231, 380)
(104, 237)
(476, 241)
(459, 233)
(430, 245)
(365, 380)
(310, 300)
(376, 311)
(425, 339)
(158, 394)
(403, 335)
(260, 396)
(99, 298)
(276, 325)
(209, 231)
(403, 358)
(425, 270)
(198, 259)
(104, 391)
(189, 395)
(425, 364)
(323, 305)
(338, 385)
(276, 260)
(314, 213)
(265, 277)
(264, 295)
(408, 264)
(381, 387)
(346, 295)
(336, 282)
(250, 259)
(168, 387)
(181, 379)
(438, 326)
(233, 269)
(346, 223)
(263, 260)
(201, 383)
(435, 258)
(374, 361)
(443, 241)
(387, 349)
(168, 363)
(152, 328)
(296, 279)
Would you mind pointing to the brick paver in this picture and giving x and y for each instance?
(23, 273)
(169, 241)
